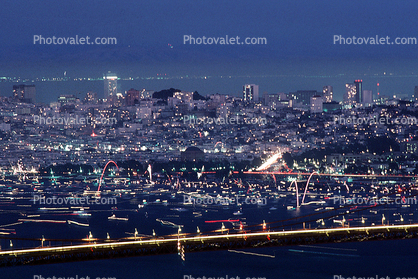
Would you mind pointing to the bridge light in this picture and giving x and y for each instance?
(90, 235)
(264, 225)
(362, 220)
(401, 218)
(43, 240)
(136, 233)
(198, 230)
(108, 236)
(153, 233)
(11, 243)
(223, 227)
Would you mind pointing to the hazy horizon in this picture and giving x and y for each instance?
(299, 49)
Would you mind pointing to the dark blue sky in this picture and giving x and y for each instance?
(299, 40)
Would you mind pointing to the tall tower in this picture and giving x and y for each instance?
(250, 93)
(359, 90)
(110, 85)
(327, 91)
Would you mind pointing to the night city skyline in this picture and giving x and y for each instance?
(150, 43)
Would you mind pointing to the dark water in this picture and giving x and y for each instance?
(368, 259)
(391, 258)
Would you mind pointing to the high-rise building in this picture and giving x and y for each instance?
(250, 93)
(91, 97)
(359, 90)
(304, 96)
(24, 93)
(367, 97)
(110, 85)
(327, 92)
(354, 92)
(350, 94)
(316, 104)
(265, 98)
(132, 97)
(276, 101)
(415, 97)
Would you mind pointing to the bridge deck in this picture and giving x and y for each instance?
(174, 244)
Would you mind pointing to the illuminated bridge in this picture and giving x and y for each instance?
(183, 243)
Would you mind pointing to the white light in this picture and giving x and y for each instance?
(269, 162)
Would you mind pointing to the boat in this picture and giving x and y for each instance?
(82, 213)
(179, 209)
(237, 212)
(113, 217)
(168, 223)
(70, 222)
(42, 221)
